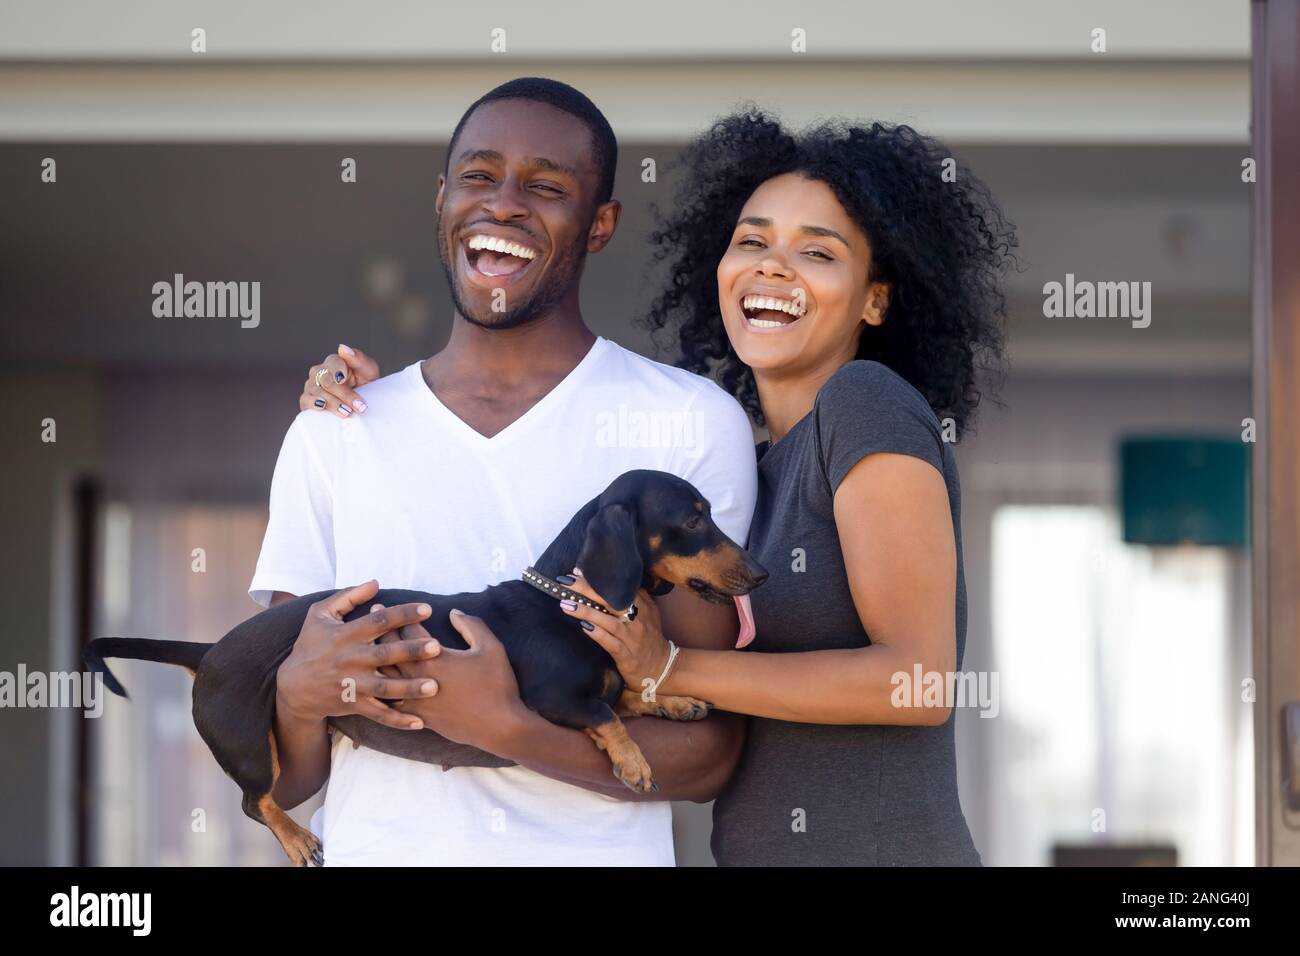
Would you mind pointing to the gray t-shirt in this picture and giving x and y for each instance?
(807, 794)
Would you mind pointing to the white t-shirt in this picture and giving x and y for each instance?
(411, 495)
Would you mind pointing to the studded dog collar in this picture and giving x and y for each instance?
(558, 591)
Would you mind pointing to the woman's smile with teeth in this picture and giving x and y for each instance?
(762, 311)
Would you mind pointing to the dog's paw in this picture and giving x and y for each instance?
(304, 849)
(635, 775)
(683, 708)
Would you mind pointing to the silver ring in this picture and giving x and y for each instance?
(631, 614)
(319, 372)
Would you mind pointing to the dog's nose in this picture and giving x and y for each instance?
(756, 571)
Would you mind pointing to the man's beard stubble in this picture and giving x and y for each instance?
(563, 272)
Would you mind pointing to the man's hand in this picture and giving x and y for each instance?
(338, 375)
(477, 700)
(334, 667)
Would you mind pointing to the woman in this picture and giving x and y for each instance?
(844, 285)
(849, 294)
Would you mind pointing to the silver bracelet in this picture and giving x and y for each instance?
(651, 687)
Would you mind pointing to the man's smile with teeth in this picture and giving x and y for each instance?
(761, 311)
(501, 245)
(493, 256)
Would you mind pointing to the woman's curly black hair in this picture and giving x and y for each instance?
(942, 246)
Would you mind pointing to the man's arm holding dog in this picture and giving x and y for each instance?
(477, 703)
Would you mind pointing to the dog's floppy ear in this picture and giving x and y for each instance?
(610, 559)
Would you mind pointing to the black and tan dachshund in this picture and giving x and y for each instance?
(647, 530)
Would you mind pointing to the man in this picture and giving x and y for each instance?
(456, 473)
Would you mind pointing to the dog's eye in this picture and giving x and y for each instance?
(693, 523)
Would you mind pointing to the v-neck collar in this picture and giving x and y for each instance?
(557, 392)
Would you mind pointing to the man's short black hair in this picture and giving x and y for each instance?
(537, 89)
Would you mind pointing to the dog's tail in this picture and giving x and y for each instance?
(185, 653)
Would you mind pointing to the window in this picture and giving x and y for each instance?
(1120, 676)
(160, 798)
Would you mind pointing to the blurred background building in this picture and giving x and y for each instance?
(1121, 720)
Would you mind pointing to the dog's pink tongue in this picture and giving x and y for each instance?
(746, 621)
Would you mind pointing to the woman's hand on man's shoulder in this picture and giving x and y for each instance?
(332, 382)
